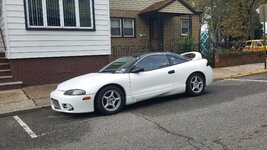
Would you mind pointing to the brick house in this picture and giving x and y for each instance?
(151, 24)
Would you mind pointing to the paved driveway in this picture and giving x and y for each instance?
(232, 114)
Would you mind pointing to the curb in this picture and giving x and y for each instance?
(242, 75)
(13, 113)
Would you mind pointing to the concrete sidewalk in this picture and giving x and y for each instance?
(38, 96)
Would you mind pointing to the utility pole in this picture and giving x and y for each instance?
(264, 21)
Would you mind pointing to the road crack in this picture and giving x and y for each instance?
(219, 142)
(29, 98)
(190, 140)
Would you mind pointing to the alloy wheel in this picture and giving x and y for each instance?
(111, 100)
(196, 84)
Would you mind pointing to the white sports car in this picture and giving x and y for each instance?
(131, 79)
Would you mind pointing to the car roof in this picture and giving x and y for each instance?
(254, 40)
(141, 55)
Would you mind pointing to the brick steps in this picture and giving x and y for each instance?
(4, 66)
(6, 78)
(11, 85)
(3, 60)
(5, 72)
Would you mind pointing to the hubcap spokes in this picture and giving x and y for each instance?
(111, 100)
(196, 84)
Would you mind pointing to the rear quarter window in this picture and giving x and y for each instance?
(176, 59)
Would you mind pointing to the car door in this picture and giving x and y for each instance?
(155, 80)
(180, 65)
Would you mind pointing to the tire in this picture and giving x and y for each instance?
(110, 100)
(195, 84)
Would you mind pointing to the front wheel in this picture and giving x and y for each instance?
(195, 84)
(110, 100)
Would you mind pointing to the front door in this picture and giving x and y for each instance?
(156, 33)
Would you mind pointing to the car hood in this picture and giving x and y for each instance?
(84, 81)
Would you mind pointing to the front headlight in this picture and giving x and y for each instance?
(74, 92)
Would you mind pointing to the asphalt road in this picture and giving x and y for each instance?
(232, 114)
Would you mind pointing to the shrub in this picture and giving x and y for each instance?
(185, 44)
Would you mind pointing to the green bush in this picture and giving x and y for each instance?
(185, 44)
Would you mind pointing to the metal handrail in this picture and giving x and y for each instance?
(3, 41)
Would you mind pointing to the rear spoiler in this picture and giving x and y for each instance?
(193, 55)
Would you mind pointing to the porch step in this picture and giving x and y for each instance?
(4, 79)
(4, 66)
(2, 54)
(3, 60)
(11, 85)
(5, 72)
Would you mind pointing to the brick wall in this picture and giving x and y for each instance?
(172, 29)
(141, 27)
(235, 58)
(196, 27)
(54, 70)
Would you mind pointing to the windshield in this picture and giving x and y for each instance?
(120, 65)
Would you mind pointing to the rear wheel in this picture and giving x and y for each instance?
(195, 84)
(110, 100)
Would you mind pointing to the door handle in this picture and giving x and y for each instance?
(171, 72)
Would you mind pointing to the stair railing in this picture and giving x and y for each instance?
(3, 41)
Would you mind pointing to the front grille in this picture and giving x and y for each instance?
(55, 103)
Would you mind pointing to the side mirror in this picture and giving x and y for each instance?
(137, 70)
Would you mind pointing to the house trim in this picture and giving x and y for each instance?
(156, 7)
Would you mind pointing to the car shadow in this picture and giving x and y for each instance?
(161, 101)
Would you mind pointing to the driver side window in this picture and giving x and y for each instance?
(153, 62)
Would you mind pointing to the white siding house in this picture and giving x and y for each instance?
(46, 42)
(49, 41)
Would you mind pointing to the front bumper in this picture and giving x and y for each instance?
(71, 104)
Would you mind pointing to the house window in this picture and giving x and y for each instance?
(35, 12)
(184, 27)
(52, 13)
(128, 27)
(116, 27)
(60, 14)
(122, 27)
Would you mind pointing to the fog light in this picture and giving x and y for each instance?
(69, 107)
